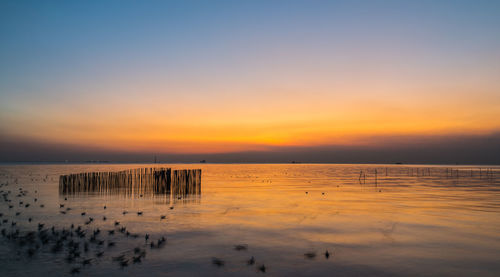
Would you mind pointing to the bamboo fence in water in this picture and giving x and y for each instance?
(133, 181)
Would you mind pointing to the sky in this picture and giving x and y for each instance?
(329, 81)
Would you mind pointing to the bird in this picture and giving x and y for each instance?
(218, 262)
(136, 259)
(84, 213)
(119, 258)
(310, 255)
(161, 242)
(327, 254)
(251, 261)
(163, 217)
(262, 268)
(240, 247)
(139, 213)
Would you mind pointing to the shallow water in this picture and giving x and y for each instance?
(398, 224)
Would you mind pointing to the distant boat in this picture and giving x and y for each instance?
(203, 161)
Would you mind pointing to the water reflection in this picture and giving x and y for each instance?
(414, 220)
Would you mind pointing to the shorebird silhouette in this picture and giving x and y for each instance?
(218, 262)
(240, 247)
(124, 263)
(310, 255)
(86, 261)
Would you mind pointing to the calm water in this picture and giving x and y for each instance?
(400, 224)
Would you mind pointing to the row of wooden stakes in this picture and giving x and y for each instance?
(134, 181)
(486, 173)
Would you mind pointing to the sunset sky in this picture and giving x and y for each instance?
(211, 77)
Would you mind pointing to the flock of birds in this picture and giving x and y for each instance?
(262, 268)
(84, 244)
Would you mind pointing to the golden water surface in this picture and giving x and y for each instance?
(402, 221)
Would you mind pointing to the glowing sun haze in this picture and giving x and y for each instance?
(229, 76)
